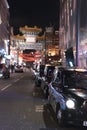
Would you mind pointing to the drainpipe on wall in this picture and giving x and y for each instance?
(77, 31)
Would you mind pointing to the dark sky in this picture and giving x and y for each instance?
(40, 13)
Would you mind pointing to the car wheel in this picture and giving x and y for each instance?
(60, 117)
(49, 100)
(46, 91)
(39, 83)
(4, 77)
(8, 76)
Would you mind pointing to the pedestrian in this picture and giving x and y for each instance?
(12, 68)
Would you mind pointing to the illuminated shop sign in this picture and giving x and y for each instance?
(37, 46)
(30, 39)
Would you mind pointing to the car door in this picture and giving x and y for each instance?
(54, 94)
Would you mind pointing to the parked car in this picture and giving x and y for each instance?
(18, 68)
(47, 78)
(35, 70)
(39, 75)
(4, 71)
(68, 96)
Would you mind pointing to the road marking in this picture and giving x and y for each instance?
(10, 84)
(22, 76)
(16, 80)
(39, 108)
(6, 87)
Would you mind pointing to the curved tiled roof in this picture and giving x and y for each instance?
(17, 37)
(30, 29)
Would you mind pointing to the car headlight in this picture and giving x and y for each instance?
(70, 104)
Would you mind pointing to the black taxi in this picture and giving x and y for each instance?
(68, 96)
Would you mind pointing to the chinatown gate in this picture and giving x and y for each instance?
(29, 47)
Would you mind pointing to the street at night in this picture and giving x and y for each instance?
(23, 106)
(50, 39)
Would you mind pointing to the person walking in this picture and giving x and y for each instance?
(12, 68)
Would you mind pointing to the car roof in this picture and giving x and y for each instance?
(81, 71)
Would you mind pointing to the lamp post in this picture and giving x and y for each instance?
(18, 54)
(62, 45)
(45, 47)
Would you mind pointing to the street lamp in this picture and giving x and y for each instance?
(18, 54)
(45, 47)
(62, 45)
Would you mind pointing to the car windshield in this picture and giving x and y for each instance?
(75, 80)
(18, 66)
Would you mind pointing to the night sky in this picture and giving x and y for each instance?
(40, 13)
